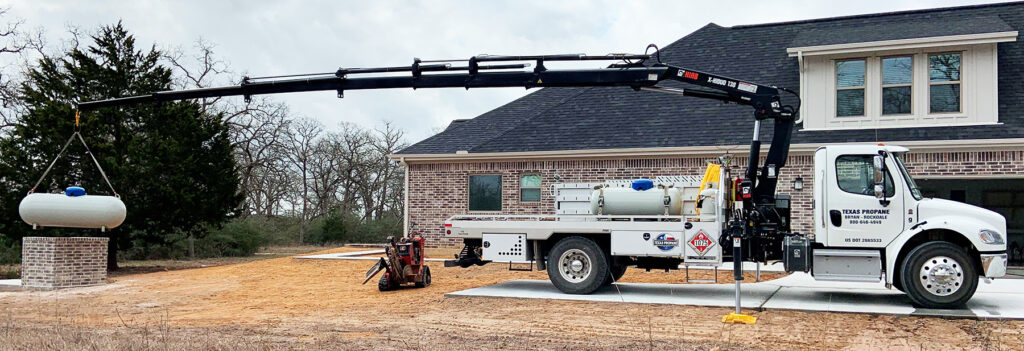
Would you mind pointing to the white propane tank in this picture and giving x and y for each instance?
(626, 201)
(708, 206)
(59, 210)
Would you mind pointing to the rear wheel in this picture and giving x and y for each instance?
(576, 265)
(939, 275)
(426, 278)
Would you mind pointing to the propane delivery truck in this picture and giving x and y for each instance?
(871, 223)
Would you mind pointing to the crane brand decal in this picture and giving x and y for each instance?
(701, 242)
(666, 242)
(721, 81)
(689, 75)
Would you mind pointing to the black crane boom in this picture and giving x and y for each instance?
(487, 71)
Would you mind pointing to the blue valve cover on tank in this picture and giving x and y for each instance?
(74, 191)
(642, 184)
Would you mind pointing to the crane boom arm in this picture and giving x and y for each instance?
(759, 184)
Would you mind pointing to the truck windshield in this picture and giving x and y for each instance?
(914, 190)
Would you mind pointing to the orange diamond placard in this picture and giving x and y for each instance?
(701, 242)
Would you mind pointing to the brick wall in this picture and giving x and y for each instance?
(55, 263)
(440, 190)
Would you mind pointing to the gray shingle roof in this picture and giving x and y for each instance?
(600, 118)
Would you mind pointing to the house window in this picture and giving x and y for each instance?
(850, 87)
(897, 81)
(856, 174)
(529, 188)
(944, 82)
(485, 192)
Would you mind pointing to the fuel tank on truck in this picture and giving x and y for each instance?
(84, 211)
(627, 201)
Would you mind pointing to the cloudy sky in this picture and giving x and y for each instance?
(265, 38)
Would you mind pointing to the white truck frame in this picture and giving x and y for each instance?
(883, 231)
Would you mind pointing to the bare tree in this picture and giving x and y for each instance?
(258, 127)
(301, 153)
(15, 43)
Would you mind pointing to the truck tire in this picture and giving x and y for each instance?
(939, 274)
(576, 265)
(383, 284)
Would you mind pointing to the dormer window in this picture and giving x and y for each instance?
(935, 81)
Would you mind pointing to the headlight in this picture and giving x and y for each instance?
(991, 237)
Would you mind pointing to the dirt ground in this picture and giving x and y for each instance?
(287, 303)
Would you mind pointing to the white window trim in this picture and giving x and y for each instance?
(913, 91)
(836, 88)
(977, 107)
(899, 44)
(538, 187)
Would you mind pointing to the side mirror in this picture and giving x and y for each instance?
(879, 168)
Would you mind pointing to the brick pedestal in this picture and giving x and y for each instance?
(54, 263)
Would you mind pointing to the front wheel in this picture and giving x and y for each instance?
(576, 265)
(939, 275)
(384, 284)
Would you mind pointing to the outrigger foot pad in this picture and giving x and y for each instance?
(737, 318)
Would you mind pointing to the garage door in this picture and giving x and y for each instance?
(1005, 196)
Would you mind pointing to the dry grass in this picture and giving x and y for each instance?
(149, 266)
(286, 303)
(10, 271)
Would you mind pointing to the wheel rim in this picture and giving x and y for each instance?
(941, 276)
(574, 265)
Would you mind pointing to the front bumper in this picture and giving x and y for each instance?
(994, 265)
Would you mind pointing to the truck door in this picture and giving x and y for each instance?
(853, 215)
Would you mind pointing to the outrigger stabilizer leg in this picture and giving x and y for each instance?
(737, 269)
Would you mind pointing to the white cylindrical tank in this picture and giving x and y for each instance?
(59, 210)
(626, 201)
(709, 204)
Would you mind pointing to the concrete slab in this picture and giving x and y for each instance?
(1002, 299)
(674, 294)
(10, 284)
(357, 255)
(343, 254)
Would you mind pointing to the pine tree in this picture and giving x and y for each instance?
(171, 164)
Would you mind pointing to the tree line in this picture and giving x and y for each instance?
(209, 172)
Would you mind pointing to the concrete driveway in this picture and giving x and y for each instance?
(1002, 299)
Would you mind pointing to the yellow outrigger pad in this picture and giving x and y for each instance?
(710, 176)
(739, 318)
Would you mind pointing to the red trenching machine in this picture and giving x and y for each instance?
(405, 263)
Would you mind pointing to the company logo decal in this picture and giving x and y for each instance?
(666, 241)
(701, 242)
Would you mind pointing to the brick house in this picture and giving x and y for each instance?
(947, 83)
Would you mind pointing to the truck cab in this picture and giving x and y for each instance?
(871, 223)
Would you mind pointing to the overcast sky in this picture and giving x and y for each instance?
(265, 38)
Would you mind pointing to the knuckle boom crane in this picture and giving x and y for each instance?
(871, 222)
(758, 222)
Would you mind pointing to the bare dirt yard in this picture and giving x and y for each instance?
(287, 303)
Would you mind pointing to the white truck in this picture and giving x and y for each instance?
(863, 230)
(871, 224)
